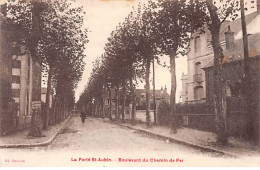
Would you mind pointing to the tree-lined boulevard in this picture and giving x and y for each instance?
(112, 122)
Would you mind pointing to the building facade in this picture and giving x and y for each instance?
(197, 108)
(20, 83)
(140, 95)
(201, 54)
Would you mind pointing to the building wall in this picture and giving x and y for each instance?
(22, 88)
(236, 111)
(19, 75)
(195, 79)
(17, 82)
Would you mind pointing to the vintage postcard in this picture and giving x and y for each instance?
(129, 83)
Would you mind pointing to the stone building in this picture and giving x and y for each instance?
(201, 54)
(197, 108)
(159, 95)
(20, 82)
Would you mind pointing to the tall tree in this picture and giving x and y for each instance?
(148, 49)
(61, 46)
(52, 31)
(174, 25)
(217, 14)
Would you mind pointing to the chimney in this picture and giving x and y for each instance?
(258, 6)
(229, 36)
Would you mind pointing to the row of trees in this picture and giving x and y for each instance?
(155, 29)
(54, 36)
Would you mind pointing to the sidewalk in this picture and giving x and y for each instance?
(19, 139)
(198, 139)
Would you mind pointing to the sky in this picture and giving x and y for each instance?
(102, 17)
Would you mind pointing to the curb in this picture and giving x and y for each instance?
(48, 142)
(176, 140)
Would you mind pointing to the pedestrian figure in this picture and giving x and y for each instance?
(83, 116)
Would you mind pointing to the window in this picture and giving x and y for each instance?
(186, 88)
(198, 93)
(197, 68)
(16, 93)
(16, 64)
(16, 79)
(197, 44)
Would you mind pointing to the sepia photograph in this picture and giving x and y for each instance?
(129, 83)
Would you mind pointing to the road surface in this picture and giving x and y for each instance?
(97, 143)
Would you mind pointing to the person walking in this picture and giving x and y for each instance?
(82, 116)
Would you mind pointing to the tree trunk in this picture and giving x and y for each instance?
(133, 99)
(154, 99)
(123, 106)
(116, 114)
(103, 109)
(97, 108)
(222, 134)
(63, 110)
(110, 104)
(55, 111)
(47, 109)
(147, 89)
(95, 111)
(59, 110)
(35, 130)
(100, 108)
(173, 92)
(36, 122)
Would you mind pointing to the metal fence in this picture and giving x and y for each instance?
(195, 109)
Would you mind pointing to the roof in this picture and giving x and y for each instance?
(235, 25)
(138, 93)
(236, 52)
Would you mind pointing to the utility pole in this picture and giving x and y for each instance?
(246, 82)
(245, 39)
